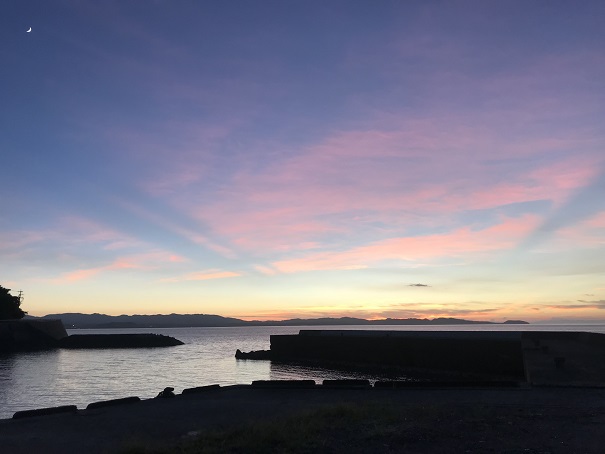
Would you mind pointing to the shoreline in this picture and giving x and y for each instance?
(167, 422)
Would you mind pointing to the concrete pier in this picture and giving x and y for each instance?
(537, 357)
(493, 353)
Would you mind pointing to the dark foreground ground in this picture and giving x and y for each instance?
(247, 419)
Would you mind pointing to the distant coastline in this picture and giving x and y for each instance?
(102, 321)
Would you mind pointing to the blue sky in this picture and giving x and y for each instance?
(280, 159)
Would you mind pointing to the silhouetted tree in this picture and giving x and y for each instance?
(10, 305)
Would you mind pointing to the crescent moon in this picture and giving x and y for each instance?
(30, 29)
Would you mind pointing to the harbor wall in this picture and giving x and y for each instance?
(493, 353)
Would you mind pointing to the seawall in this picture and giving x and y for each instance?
(537, 357)
(497, 354)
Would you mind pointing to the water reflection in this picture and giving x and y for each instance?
(79, 377)
(7, 361)
(26, 380)
(281, 371)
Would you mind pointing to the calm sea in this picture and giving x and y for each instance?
(79, 377)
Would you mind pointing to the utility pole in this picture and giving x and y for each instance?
(20, 296)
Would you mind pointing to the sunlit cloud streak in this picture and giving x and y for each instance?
(144, 262)
(584, 305)
(202, 276)
(398, 311)
(588, 200)
(461, 242)
(358, 176)
(190, 233)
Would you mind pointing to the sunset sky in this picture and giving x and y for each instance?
(278, 159)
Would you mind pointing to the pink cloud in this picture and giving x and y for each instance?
(80, 275)
(396, 170)
(66, 234)
(203, 276)
(596, 222)
(554, 182)
(75, 230)
(146, 261)
(84, 229)
(586, 233)
(189, 234)
(269, 271)
(459, 243)
(14, 244)
(394, 177)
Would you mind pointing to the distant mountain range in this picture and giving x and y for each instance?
(76, 320)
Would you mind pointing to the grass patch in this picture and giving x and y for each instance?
(342, 428)
(320, 430)
(384, 427)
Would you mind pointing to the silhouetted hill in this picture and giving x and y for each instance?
(77, 320)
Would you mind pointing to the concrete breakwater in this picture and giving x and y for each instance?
(530, 356)
(494, 353)
(81, 341)
(31, 335)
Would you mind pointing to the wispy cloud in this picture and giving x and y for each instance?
(202, 276)
(144, 262)
(585, 202)
(378, 181)
(600, 304)
(427, 312)
(400, 311)
(186, 229)
(456, 244)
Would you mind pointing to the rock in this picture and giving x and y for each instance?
(256, 355)
(167, 393)
(113, 402)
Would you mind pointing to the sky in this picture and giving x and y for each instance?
(277, 159)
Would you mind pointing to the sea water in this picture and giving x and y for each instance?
(78, 377)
